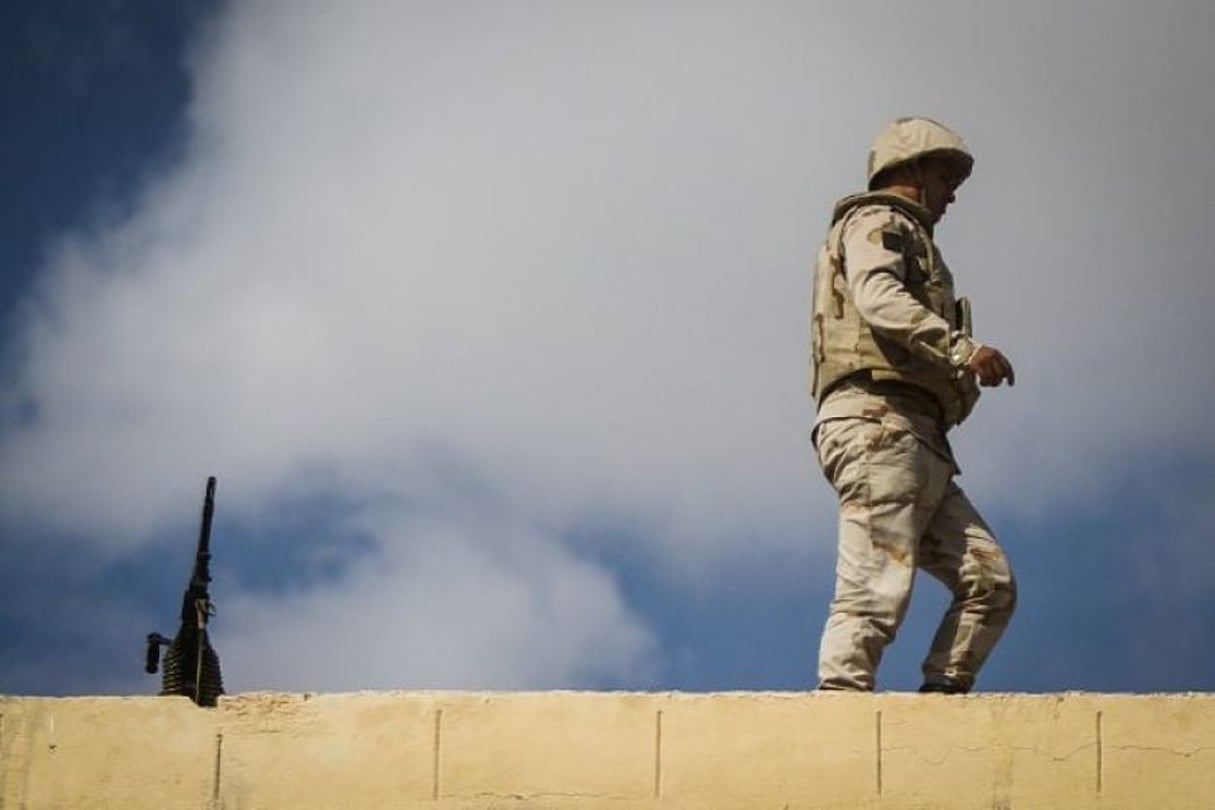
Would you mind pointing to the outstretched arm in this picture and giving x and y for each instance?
(877, 275)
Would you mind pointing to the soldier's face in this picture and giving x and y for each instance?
(939, 184)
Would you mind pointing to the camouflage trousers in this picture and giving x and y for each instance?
(901, 510)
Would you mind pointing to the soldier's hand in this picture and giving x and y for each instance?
(991, 366)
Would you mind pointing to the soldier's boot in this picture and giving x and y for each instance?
(944, 688)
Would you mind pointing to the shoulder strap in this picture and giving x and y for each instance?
(884, 200)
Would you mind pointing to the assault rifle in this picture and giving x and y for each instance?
(191, 667)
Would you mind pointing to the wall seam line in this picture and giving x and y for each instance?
(3, 765)
(1100, 755)
(658, 754)
(878, 752)
(434, 792)
(217, 772)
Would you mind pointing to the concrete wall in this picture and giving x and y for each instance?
(610, 750)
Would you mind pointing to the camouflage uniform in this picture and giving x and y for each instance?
(889, 350)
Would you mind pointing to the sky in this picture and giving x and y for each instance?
(491, 321)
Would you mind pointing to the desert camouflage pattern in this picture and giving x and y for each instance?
(908, 139)
(901, 510)
(884, 303)
(889, 349)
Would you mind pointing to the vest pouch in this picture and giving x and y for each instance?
(968, 387)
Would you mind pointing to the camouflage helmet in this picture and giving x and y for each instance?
(908, 139)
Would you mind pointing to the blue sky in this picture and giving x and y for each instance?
(490, 320)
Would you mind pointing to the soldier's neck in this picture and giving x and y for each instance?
(913, 193)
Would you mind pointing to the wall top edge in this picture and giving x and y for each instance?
(456, 694)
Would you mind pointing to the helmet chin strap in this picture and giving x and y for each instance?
(917, 168)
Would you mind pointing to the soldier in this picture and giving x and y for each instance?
(893, 369)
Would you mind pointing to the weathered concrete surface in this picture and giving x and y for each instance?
(469, 751)
(282, 750)
(105, 752)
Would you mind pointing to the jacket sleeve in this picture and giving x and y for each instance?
(876, 273)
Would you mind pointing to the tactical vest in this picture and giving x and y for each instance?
(843, 343)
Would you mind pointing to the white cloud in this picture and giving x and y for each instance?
(451, 603)
(480, 248)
